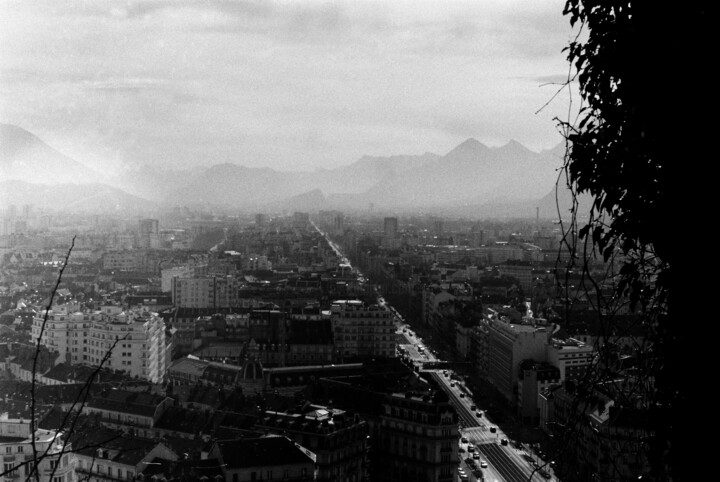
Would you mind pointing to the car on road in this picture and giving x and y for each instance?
(483, 464)
(476, 456)
(462, 395)
(471, 448)
(493, 429)
(473, 407)
(504, 441)
(464, 440)
(461, 450)
(479, 414)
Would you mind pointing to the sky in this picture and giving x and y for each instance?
(298, 85)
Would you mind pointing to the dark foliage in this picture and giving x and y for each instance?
(621, 150)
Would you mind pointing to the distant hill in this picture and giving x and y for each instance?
(24, 157)
(88, 198)
(239, 186)
(471, 178)
(471, 173)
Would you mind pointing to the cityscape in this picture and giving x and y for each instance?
(311, 346)
(334, 241)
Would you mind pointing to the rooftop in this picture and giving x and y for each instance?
(261, 452)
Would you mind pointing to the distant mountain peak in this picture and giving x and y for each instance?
(472, 143)
(514, 147)
(469, 146)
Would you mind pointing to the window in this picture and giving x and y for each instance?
(59, 479)
(20, 449)
(8, 450)
(53, 464)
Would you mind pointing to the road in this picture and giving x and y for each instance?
(505, 463)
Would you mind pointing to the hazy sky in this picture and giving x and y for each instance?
(288, 85)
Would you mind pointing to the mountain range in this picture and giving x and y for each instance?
(472, 178)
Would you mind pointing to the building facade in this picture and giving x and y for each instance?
(131, 341)
(508, 345)
(362, 331)
(205, 292)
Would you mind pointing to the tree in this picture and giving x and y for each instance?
(620, 151)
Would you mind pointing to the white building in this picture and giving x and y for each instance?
(131, 341)
(509, 344)
(16, 450)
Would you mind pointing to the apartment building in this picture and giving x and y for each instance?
(510, 343)
(520, 270)
(362, 331)
(205, 292)
(18, 459)
(131, 341)
(66, 331)
(418, 438)
(572, 357)
(337, 439)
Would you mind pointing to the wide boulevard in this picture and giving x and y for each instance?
(484, 448)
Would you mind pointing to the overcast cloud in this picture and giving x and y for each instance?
(288, 85)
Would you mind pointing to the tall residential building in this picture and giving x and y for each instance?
(67, 331)
(187, 271)
(338, 224)
(390, 228)
(205, 292)
(508, 345)
(362, 331)
(131, 341)
(148, 233)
